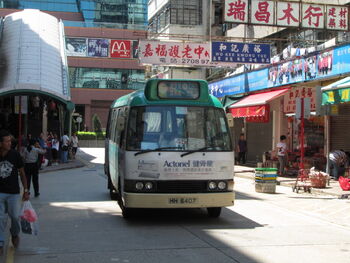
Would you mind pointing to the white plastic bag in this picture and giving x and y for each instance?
(29, 219)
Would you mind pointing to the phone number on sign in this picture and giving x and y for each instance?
(189, 61)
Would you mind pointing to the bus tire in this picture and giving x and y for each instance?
(214, 211)
(126, 212)
(113, 194)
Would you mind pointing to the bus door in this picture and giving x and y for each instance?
(117, 128)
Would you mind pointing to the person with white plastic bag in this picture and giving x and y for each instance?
(29, 219)
(11, 164)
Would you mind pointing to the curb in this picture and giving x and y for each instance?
(319, 191)
(78, 165)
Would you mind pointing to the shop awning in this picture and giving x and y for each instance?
(255, 105)
(337, 92)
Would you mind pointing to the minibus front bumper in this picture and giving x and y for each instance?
(196, 200)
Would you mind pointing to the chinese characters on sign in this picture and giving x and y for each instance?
(263, 12)
(337, 17)
(236, 11)
(174, 53)
(293, 14)
(240, 52)
(190, 167)
(300, 92)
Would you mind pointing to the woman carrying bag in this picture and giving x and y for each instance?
(31, 167)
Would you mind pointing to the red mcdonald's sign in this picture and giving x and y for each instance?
(120, 49)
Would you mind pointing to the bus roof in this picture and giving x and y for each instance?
(150, 95)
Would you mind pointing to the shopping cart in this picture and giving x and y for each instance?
(303, 181)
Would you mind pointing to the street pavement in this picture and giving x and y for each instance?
(332, 189)
(78, 223)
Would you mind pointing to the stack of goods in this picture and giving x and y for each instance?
(318, 179)
(265, 180)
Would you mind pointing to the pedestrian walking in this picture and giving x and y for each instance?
(31, 155)
(241, 149)
(282, 154)
(75, 144)
(54, 149)
(42, 143)
(65, 144)
(11, 164)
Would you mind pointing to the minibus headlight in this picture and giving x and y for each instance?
(148, 186)
(139, 186)
(222, 185)
(212, 185)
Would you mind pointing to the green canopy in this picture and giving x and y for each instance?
(337, 92)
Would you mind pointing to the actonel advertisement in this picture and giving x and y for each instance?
(170, 166)
(174, 53)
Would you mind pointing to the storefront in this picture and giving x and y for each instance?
(314, 129)
(259, 116)
(336, 99)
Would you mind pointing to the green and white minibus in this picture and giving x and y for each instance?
(169, 146)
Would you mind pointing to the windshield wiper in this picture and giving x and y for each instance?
(194, 151)
(157, 149)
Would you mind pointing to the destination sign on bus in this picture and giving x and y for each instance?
(178, 90)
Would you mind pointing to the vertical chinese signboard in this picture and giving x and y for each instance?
(337, 18)
(297, 93)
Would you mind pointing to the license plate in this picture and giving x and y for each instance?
(180, 200)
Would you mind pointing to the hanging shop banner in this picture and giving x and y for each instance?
(76, 47)
(336, 96)
(251, 111)
(240, 53)
(174, 53)
(291, 97)
(120, 48)
(246, 82)
(288, 14)
(228, 86)
(324, 65)
(98, 47)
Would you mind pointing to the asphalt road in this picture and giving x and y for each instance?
(78, 223)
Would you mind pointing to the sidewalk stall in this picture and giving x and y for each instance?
(265, 180)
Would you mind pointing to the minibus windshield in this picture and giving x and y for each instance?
(177, 128)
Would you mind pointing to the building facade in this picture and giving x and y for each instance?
(182, 21)
(303, 62)
(101, 48)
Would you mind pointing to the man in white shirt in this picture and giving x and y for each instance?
(282, 154)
